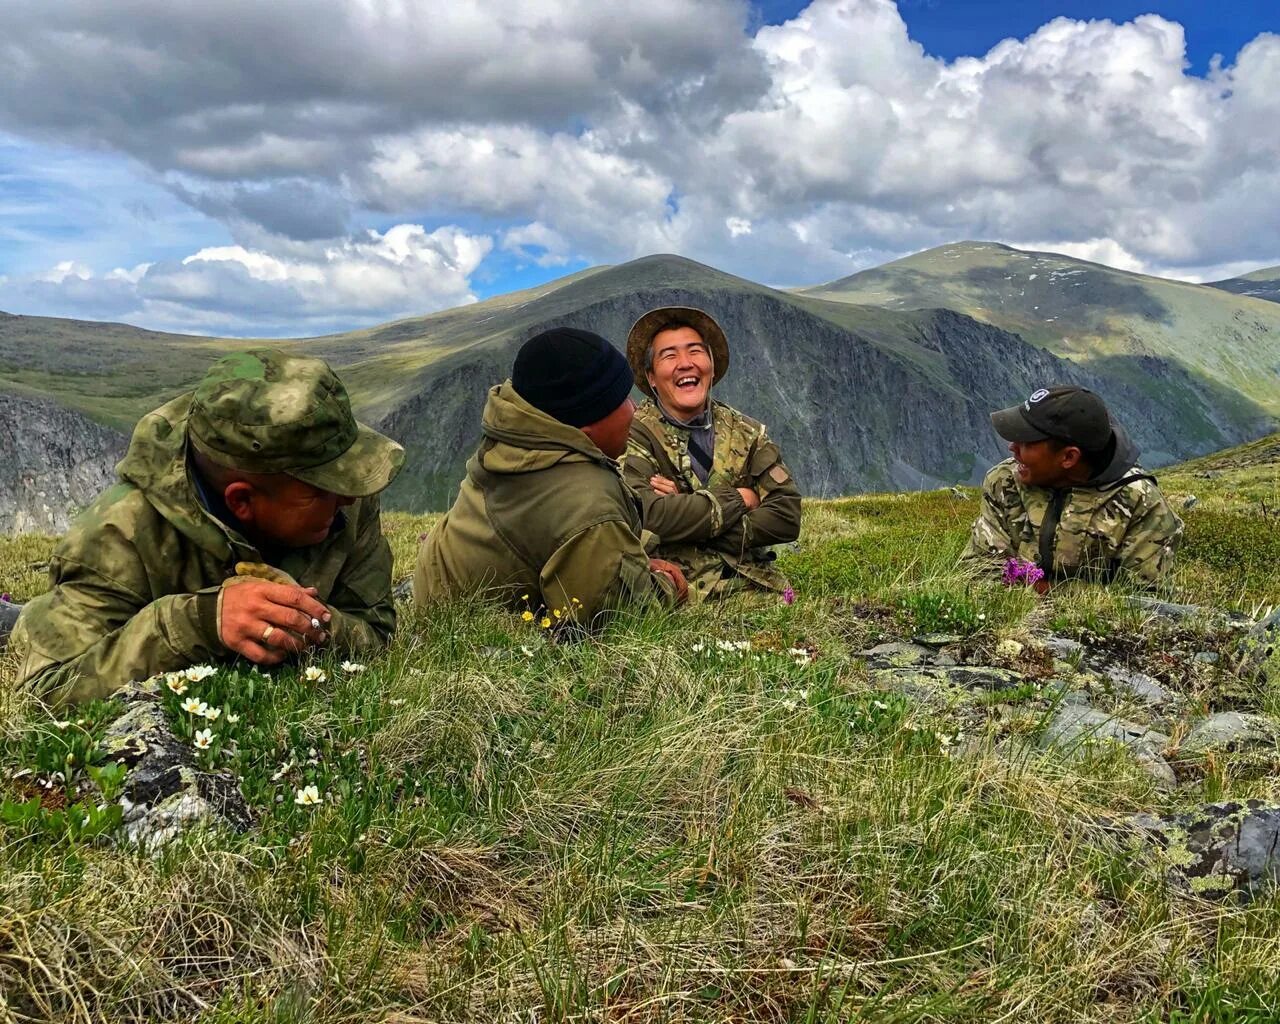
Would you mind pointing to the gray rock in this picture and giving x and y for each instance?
(1206, 657)
(1063, 647)
(165, 790)
(403, 591)
(1074, 730)
(1230, 731)
(1190, 501)
(1066, 693)
(8, 616)
(1186, 612)
(1217, 849)
(1139, 685)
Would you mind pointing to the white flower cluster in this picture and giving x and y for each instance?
(741, 648)
(352, 668)
(180, 680)
(313, 674)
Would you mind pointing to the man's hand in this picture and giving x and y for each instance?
(674, 573)
(266, 622)
(749, 497)
(663, 485)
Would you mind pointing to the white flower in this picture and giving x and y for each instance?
(699, 647)
(176, 681)
(212, 713)
(307, 796)
(232, 719)
(352, 667)
(195, 706)
(282, 771)
(314, 674)
(526, 651)
(197, 672)
(62, 725)
(204, 738)
(880, 704)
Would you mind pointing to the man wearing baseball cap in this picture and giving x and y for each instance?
(543, 522)
(714, 486)
(1073, 498)
(245, 523)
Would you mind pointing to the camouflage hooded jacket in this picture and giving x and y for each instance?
(706, 529)
(134, 582)
(543, 520)
(1118, 524)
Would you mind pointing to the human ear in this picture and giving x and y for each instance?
(239, 499)
(1071, 457)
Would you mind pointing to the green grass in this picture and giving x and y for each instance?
(685, 820)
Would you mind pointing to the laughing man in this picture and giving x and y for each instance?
(714, 487)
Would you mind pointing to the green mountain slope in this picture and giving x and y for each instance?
(860, 397)
(1261, 284)
(1090, 314)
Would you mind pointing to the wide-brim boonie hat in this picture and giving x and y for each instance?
(664, 318)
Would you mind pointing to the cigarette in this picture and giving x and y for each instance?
(315, 623)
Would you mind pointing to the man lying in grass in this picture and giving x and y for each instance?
(260, 477)
(1073, 501)
(544, 521)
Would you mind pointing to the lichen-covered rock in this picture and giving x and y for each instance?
(1230, 731)
(897, 655)
(1187, 612)
(1076, 731)
(932, 680)
(166, 791)
(1063, 647)
(1260, 647)
(1217, 849)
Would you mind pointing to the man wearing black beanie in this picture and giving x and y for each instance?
(543, 522)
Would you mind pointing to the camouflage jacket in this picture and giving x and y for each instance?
(542, 521)
(706, 529)
(1121, 527)
(134, 582)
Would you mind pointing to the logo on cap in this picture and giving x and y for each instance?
(1039, 396)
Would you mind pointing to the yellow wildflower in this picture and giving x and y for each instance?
(527, 615)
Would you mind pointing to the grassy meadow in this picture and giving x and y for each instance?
(705, 815)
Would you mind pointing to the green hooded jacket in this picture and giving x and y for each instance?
(1118, 524)
(543, 520)
(135, 581)
(707, 529)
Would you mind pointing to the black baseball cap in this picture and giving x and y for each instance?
(1071, 414)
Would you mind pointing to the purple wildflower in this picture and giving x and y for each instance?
(788, 596)
(6, 598)
(1017, 570)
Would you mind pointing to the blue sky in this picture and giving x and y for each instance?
(314, 165)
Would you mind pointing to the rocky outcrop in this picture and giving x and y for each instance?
(53, 461)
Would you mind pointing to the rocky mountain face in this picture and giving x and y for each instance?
(53, 462)
(859, 396)
(858, 399)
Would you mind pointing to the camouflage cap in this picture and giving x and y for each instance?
(269, 411)
(666, 318)
(1065, 413)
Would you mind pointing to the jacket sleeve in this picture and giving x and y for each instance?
(679, 518)
(93, 632)
(777, 518)
(990, 540)
(599, 570)
(1146, 552)
(362, 605)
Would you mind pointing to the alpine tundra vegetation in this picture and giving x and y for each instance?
(891, 794)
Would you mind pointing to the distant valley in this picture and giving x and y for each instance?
(882, 380)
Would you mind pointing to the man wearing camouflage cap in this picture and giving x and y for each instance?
(260, 478)
(1073, 498)
(714, 487)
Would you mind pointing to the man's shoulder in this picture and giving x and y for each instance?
(1002, 480)
(1136, 491)
(727, 416)
(121, 512)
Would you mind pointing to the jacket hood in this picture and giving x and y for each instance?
(525, 439)
(156, 464)
(1125, 457)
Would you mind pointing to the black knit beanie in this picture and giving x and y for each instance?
(573, 376)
